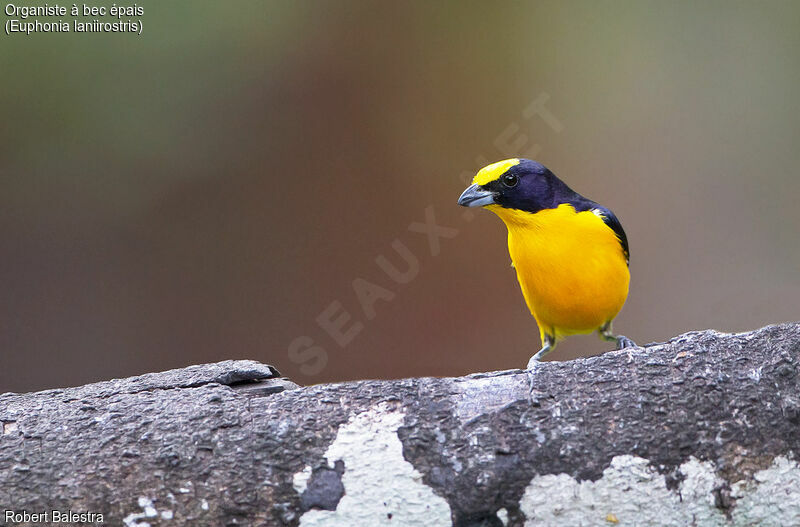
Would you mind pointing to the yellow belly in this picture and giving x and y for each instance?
(570, 266)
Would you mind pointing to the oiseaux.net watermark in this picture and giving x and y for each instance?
(402, 265)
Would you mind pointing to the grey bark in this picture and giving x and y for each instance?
(222, 444)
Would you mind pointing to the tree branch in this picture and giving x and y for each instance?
(701, 430)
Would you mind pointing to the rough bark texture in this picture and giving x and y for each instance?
(700, 430)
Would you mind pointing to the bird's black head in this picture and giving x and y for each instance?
(525, 185)
(517, 184)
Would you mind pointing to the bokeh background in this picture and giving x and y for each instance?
(206, 190)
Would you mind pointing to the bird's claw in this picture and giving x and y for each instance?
(624, 342)
(532, 363)
(533, 394)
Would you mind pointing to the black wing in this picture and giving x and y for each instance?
(582, 204)
(611, 220)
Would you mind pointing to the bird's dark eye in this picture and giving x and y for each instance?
(510, 180)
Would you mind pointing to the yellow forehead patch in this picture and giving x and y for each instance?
(493, 171)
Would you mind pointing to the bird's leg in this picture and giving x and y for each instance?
(548, 344)
(621, 340)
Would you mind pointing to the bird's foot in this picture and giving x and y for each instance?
(534, 395)
(533, 362)
(533, 365)
(624, 342)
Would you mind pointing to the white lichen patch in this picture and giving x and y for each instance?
(772, 497)
(630, 490)
(10, 427)
(300, 480)
(633, 493)
(502, 514)
(481, 395)
(135, 519)
(381, 487)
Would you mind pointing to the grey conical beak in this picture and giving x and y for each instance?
(476, 196)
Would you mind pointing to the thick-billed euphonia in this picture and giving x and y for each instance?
(570, 253)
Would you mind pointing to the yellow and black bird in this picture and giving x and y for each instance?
(570, 253)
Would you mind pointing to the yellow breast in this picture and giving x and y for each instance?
(570, 266)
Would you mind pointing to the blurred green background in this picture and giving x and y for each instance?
(206, 190)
